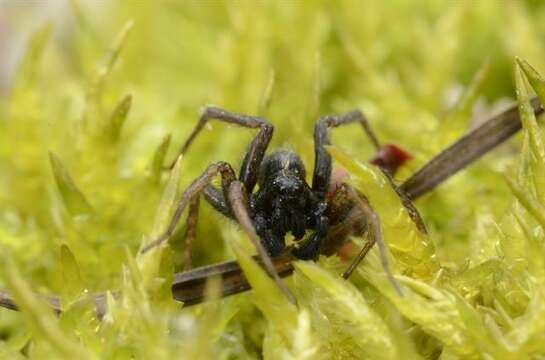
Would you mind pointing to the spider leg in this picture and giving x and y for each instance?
(374, 236)
(215, 197)
(322, 166)
(227, 176)
(256, 150)
(190, 231)
(239, 203)
(322, 162)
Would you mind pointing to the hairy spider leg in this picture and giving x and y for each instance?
(238, 199)
(227, 177)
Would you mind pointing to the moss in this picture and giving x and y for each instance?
(99, 102)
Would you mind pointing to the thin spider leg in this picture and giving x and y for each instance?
(374, 236)
(322, 162)
(215, 197)
(256, 150)
(322, 167)
(227, 176)
(414, 214)
(190, 231)
(239, 204)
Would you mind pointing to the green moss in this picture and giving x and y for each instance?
(100, 102)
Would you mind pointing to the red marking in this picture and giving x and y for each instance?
(391, 157)
(346, 251)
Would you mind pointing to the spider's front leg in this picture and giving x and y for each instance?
(239, 203)
(256, 150)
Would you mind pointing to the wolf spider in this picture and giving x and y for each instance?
(284, 202)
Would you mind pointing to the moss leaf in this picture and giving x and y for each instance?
(73, 198)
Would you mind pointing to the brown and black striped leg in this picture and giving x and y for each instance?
(256, 150)
(190, 232)
(239, 203)
(227, 176)
(374, 232)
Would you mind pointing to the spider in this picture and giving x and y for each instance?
(284, 202)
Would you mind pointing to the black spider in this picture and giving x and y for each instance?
(284, 202)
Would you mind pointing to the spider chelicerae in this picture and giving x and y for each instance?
(284, 202)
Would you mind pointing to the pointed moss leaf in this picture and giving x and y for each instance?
(157, 165)
(534, 133)
(82, 18)
(136, 278)
(478, 275)
(534, 78)
(266, 96)
(150, 262)
(534, 264)
(528, 201)
(28, 68)
(399, 231)
(528, 117)
(101, 74)
(162, 294)
(41, 319)
(458, 118)
(118, 117)
(168, 200)
(303, 344)
(513, 242)
(72, 281)
(348, 315)
(118, 44)
(73, 198)
(268, 296)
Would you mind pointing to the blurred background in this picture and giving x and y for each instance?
(91, 90)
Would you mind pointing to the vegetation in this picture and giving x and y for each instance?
(101, 100)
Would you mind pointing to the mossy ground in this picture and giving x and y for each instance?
(85, 125)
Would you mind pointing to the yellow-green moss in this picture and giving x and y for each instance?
(101, 100)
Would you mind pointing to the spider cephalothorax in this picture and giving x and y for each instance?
(286, 203)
